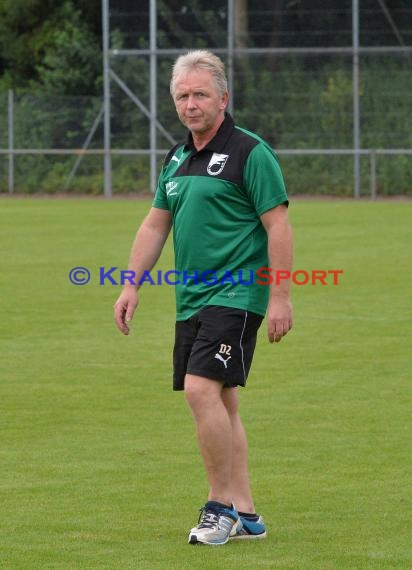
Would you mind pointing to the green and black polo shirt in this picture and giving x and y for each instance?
(216, 197)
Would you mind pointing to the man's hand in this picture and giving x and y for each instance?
(279, 318)
(124, 308)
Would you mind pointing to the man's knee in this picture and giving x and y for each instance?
(230, 399)
(201, 392)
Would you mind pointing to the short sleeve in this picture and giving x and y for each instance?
(160, 199)
(263, 179)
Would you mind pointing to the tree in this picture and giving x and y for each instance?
(68, 56)
(50, 45)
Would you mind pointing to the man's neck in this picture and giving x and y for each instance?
(200, 140)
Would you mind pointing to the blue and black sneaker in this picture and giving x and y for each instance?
(252, 527)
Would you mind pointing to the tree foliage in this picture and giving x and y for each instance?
(51, 46)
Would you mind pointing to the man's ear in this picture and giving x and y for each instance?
(224, 101)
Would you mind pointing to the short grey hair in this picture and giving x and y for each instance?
(200, 59)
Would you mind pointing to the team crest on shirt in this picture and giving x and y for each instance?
(217, 163)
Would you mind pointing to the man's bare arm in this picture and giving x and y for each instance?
(147, 247)
(280, 251)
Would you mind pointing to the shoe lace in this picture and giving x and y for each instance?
(207, 518)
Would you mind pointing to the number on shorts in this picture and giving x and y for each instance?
(225, 349)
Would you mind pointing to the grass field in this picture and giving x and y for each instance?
(99, 467)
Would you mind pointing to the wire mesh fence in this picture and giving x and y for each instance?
(291, 71)
(262, 23)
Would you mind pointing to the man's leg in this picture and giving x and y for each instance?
(214, 433)
(240, 485)
(222, 350)
(219, 520)
(253, 526)
(222, 441)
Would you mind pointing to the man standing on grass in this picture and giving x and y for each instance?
(223, 193)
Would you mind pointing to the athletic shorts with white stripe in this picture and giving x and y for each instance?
(216, 343)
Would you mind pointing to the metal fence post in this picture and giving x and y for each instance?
(230, 47)
(106, 101)
(373, 174)
(11, 140)
(356, 110)
(153, 96)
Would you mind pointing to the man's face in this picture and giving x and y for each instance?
(198, 102)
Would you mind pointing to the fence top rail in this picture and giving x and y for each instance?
(349, 50)
(134, 151)
(344, 151)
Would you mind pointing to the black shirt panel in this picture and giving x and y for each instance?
(224, 157)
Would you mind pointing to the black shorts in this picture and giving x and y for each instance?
(216, 343)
